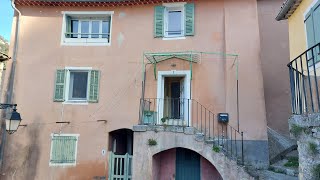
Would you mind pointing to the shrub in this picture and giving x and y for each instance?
(296, 130)
(313, 148)
(152, 142)
(292, 162)
(164, 119)
(316, 171)
(216, 149)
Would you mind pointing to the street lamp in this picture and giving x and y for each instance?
(13, 119)
(4, 57)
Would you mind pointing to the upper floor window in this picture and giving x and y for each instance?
(77, 85)
(87, 28)
(174, 20)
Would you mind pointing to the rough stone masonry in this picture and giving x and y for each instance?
(306, 129)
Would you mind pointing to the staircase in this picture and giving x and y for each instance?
(157, 112)
(169, 137)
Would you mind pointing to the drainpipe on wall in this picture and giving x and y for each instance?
(9, 93)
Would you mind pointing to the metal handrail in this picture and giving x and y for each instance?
(304, 81)
(185, 112)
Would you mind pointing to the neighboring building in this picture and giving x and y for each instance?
(134, 88)
(304, 29)
(274, 57)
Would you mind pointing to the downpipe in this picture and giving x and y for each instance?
(9, 93)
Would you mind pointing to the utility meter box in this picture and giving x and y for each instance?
(223, 117)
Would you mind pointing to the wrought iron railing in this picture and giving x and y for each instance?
(304, 81)
(190, 113)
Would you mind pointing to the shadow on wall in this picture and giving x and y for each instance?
(21, 161)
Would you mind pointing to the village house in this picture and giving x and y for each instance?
(143, 89)
(303, 18)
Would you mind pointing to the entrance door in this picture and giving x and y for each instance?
(187, 165)
(175, 100)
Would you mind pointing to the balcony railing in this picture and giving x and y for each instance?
(190, 113)
(304, 81)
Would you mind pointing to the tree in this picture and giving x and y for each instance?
(4, 45)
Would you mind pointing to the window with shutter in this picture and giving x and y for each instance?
(77, 85)
(174, 20)
(63, 149)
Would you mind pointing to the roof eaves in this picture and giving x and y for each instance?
(287, 9)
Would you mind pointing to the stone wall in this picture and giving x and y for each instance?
(143, 153)
(306, 129)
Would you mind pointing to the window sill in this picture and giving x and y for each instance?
(76, 102)
(84, 44)
(61, 164)
(174, 38)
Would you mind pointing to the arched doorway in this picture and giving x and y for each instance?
(183, 164)
(120, 154)
(121, 141)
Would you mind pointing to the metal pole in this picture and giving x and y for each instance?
(242, 158)
(237, 69)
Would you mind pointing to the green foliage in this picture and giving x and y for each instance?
(316, 171)
(276, 170)
(216, 149)
(313, 148)
(292, 162)
(164, 119)
(147, 113)
(4, 45)
(152, 142)
(296, 130)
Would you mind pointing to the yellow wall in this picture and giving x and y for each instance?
(297, 34)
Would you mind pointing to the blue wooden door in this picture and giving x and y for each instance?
(187, 165)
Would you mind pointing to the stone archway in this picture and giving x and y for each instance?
(143, 154)
(181, 163)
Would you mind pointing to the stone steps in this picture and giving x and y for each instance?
(281, 168)
(270, 175)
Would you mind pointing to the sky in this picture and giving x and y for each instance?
(6, 15)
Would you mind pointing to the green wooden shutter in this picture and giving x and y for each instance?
(63, 150)
(189, 18)
(316, 23)
(68, 26)
(159, 21)
(59, 85)
(310, 30)
(316, 28)
(94, 86)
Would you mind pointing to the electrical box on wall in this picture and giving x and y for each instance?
(223, 117)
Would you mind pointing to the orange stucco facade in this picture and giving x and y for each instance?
(220, 26)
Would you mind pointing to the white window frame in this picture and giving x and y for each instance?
(67, 88)
(174, 7)
(76, 150)
(84, 15)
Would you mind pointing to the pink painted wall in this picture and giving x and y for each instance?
(208, 171)
(164, 165)
(220, 25)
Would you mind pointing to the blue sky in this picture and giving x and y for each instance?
(6, 15)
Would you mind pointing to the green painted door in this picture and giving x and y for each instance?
(187, 165)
